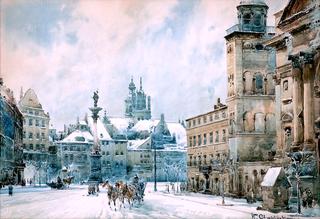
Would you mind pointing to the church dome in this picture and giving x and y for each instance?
(253, 2)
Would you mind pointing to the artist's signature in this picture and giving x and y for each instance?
(262, 216)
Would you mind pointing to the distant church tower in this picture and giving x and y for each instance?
(137, 104)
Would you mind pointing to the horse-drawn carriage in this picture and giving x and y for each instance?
(121, 192)
(61, 184)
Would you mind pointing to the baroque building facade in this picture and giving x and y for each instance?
(207, 136)
(11, 147)
(76, 147)
(35, 137)
(297, 44)
(250, 97)
(137, 104)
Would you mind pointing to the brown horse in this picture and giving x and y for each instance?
(126, 192)
(113, 193)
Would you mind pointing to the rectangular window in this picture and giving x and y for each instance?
(30, 122)
(204, 139)
(285, 85)
(199, 121)
(30, 135)
(211, 137)
(216, 116)
(42, 147)
(36, 112)
(31, 146)
(37, 122)
(190, 141)
(199, 158)
(194, 141)
(42, 135)
(189, 124)
(194, 122)
(199, 139)
(211, 118)
(205, 119)
(43, 123)
(37, 147)
(217, 136)
(38, 135)
(224, 135)
(24, 134)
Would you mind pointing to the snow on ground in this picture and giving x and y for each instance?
(74, 203)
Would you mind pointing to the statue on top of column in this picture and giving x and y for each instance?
(95, 98)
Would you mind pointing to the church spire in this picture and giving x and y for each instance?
(132, 86)
(140, 83)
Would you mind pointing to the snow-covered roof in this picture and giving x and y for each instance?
(79, 136)
(121, 124)
(179, 131)
(101, 130)
(135, 144)
(174, 127)
(170, 147)
(145, 125)
(82, 122)
(271, 177)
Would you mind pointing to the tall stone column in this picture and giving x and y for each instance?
(95, 157)
(308, 88)
(297, 102)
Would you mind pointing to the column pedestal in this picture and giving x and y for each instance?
(95, 174)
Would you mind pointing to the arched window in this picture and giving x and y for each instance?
(258, 83)
(259, 122)
(246, 18)
(257, 20)
(247, 82)
(248, 124)
(270, 123)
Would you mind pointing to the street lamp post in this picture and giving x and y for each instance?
(155, 168)
(297, 163)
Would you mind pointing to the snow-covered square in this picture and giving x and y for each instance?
(33, 202)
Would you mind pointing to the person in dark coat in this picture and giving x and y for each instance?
(10, 189)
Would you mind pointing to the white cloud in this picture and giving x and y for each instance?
(103, 43)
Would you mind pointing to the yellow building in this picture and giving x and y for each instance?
(207, 145)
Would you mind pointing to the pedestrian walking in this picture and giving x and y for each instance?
(10, 189)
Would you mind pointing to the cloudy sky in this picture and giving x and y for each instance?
(65, 50)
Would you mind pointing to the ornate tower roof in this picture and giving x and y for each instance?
(253, 2)
(132, 86)
(141, 83)
(252, 15)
